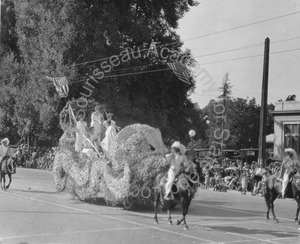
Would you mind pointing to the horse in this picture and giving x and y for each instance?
(7, 167)
(183, 192)
(273, 188)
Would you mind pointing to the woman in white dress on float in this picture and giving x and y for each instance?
(110, 133)
(97, 123)
(80, 133)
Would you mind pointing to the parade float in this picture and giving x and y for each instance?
(125, 176)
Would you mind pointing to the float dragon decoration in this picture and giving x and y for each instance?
(125, 176)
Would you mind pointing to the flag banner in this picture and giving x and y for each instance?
(180, 71)
(61, 85)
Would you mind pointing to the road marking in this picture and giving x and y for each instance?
(72, 232)
(221, 223)
(284, 238)
(265, 222)
(193, 203)
(240, 241)
(148, 215)
(228, 242)
(254, 238)
(234, 210)
(110, 217)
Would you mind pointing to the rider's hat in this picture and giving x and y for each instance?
(178, 145)
(291, 151)
(5, 140)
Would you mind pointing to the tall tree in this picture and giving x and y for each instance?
(55, 36)
(242, 122)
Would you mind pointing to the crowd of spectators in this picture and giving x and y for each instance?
(34, 157)
(236, 175)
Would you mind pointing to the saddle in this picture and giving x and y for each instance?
(6, 167)
(288, 190)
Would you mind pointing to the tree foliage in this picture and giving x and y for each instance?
(54, 36)
(241, 118)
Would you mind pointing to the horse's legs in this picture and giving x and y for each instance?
(297, 213)
(9, 176)
(273, 212)
(184, 208)
(267, 199)
(169, 217)
(3, 187)
(1, 181)
(297, 198)
(156, 199)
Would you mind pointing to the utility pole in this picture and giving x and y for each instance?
(264, 108)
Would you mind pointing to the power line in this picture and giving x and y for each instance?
(205, 35)
(284, 40)
(127, 74)
(220, 61)
(211, 54)
(205, 55)
(230, 50)
(253, 56)
(245, 25)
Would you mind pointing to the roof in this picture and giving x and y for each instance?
(285, 112)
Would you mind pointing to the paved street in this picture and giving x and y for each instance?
(33, 212)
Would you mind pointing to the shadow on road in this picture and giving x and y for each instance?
(247, 231)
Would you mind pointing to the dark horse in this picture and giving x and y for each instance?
(7, 167)
(273, 187)
(183, 192)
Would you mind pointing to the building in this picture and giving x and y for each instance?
(286, 127)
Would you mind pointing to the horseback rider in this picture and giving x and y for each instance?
(287, 167)
(4, 149)
(178, 162)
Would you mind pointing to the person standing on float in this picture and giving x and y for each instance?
(97, 123)
(110, 134)
(80, 133)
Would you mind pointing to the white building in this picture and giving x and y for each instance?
(286, 127)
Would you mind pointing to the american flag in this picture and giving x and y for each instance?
(61, 85)
(180, 71)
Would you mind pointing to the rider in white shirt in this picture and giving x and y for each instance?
(178, 162)
(287, 167)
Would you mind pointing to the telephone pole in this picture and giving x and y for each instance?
(264, 107)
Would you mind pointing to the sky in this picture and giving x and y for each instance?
(245, 74)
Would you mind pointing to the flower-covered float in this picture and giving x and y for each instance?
(125, 176)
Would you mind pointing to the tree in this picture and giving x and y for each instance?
(226, 88)
(8, 40)
(242, 122)
(53, 37)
